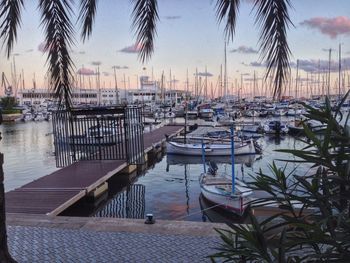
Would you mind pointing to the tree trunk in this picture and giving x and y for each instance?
(5, 256)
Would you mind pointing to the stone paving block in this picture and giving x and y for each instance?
(40, 244)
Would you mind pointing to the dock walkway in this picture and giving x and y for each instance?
(55, 192)
(39, 238)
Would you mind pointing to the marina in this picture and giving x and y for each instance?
(143, 131)
(168, 186)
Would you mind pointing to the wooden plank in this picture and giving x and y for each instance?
(57, 191)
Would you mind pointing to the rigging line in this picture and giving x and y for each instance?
(201, 211)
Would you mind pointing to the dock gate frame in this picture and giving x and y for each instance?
(98, 133)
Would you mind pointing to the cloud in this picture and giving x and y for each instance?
(256, 64)
(81, 52)
(311, 65)
(136, 48)
(172, 17)
(244, 50)
(120, 67)
(332, 27)
(29, 50)
(86, 72)
(204, 74)
(96, 63)
(42, 47)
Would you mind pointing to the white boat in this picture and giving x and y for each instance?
(230, 194)
(251, 113)
(28, 116)
(211, 149)
(225, 120)
(39, 117)
(251, 128)
(280, 112)
(192, 115)
(206, 113)
(276, 127)
(97, 136)
(218, 190)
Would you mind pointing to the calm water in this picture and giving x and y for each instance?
(169, 188)
(28, 152)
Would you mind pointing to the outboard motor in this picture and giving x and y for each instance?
(213, 168)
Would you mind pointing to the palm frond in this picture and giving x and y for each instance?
(228, 10)
(86, 17)
(10, 20)
(273, 19)
(145, 17)
(59, 37)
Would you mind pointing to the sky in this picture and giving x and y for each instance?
(188, 38)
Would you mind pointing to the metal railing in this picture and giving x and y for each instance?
(98, 134)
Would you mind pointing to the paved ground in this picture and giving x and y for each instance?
(105, 241)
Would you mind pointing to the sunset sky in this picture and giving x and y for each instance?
(188, 38)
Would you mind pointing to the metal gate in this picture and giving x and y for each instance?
(98, 134)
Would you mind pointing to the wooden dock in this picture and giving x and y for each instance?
(57, 191)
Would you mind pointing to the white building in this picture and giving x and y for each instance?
(79, 96)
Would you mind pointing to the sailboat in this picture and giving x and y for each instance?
(230, 194)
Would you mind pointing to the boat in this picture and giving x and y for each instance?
(251, 113)
(191, 115)
(230, 194)
(211, 149)
(224, 120)
(263, 113)
(251, 128)
(205, 113)
(39, 116)
(275, 127)
(296, 128)
(280, 112)
(97, 135)
(28, 116)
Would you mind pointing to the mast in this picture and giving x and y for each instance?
(296, 80)
(116, 87)
(339, 82)
(206, 83)
(254, 79)
(233, 160)
(225, 75)
(186, 107)
(329, 72)
(124, 81)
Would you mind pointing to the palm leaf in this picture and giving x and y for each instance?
(227, 10)
(273, 19)
(145, 16)
(59, 37)
(86, 17)
(10, 20)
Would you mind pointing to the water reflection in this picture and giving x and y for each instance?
(28, 152)
(127, 204)
(173, 159)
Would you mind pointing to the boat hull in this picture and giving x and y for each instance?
(210, 149)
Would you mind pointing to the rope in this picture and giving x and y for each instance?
(200, 211)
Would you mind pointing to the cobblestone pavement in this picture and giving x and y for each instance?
(40, 244)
